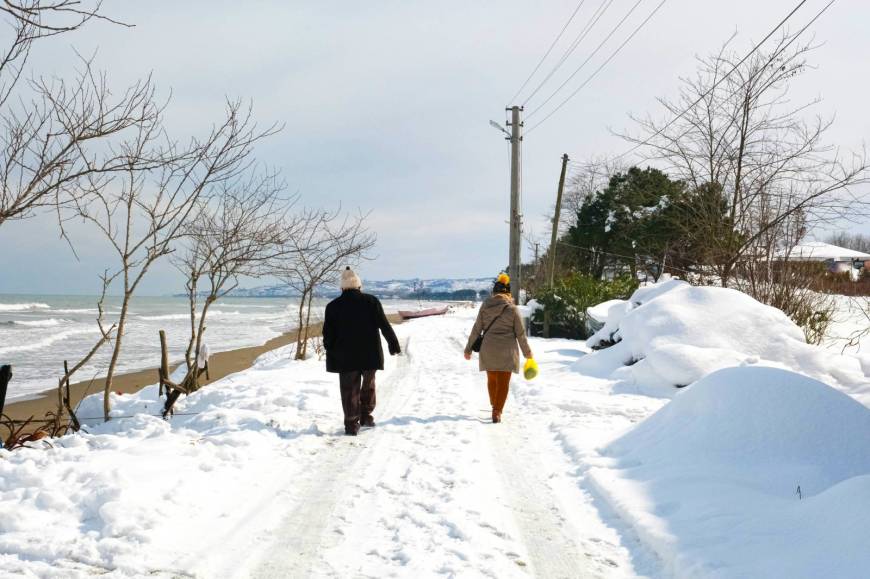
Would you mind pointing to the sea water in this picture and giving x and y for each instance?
(39, 332)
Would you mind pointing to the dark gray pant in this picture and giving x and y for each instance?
(357, 395)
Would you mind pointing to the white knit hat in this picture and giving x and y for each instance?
(350, 280)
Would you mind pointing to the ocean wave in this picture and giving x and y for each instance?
(211, 314)
(48, 341)
(27, 307)
(77, 311)
(49, 323)
(165, 317)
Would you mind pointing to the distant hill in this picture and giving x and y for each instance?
(439, 289)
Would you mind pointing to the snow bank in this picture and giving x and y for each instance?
(601, 312)
(528, 310)
(711, 480)
(672, 334)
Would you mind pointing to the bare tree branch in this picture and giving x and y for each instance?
(326, 243)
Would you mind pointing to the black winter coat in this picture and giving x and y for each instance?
(350, 333)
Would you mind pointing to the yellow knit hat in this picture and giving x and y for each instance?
(502, 284)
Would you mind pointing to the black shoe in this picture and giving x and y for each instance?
(352, 430)
(367, 421)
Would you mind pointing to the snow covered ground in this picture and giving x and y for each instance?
(598, 470)
(849, 322)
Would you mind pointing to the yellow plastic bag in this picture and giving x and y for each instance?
(530, 370)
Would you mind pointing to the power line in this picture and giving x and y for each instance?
(588, 58)
(549, 50)
(733, 69)
(597, 70)
(631, 257)
(596, 16)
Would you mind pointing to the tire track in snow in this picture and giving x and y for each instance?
(435, 491)
(550, 539)
(428, 502)
(296, 547)
(566, 530)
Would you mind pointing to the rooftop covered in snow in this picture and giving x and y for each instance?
(821, 251)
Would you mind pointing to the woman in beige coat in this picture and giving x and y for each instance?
(499, 354)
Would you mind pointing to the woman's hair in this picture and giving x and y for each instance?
(502, 284)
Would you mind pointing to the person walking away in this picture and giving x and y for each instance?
(351, 336)
(502, 326)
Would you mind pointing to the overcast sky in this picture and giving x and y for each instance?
(386, 106)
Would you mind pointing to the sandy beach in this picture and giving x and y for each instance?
(221, 364)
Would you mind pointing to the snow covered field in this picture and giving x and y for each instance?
(600, 469)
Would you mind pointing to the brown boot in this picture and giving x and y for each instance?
(496, 416)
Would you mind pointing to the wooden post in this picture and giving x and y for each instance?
(173, 390)
(164, 361)
(5, 377)
(60, 386)
(551, 270)
(67, 399)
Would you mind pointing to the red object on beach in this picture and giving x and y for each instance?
(406, 315)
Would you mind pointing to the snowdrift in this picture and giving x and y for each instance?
(710, 481)
(672, 334)
(601, 311)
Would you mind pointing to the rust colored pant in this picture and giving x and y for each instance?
(357, 395)
(498, 384)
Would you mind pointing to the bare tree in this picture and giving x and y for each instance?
(34, 20)
(64, 401)
(855, 241)
(236, 232)
(587, 178)
(145, 211)
(327, 243)
(743, 135)
(55, 132)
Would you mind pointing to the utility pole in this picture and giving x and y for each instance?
(514, 252)
(551, 270)
(514, 136)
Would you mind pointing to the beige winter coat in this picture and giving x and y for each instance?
(499, 351)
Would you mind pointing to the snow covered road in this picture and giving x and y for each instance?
(435, 489)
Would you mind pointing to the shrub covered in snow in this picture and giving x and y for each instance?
(672, 334)
(568, 300)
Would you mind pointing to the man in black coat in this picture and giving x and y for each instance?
(353, 348)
